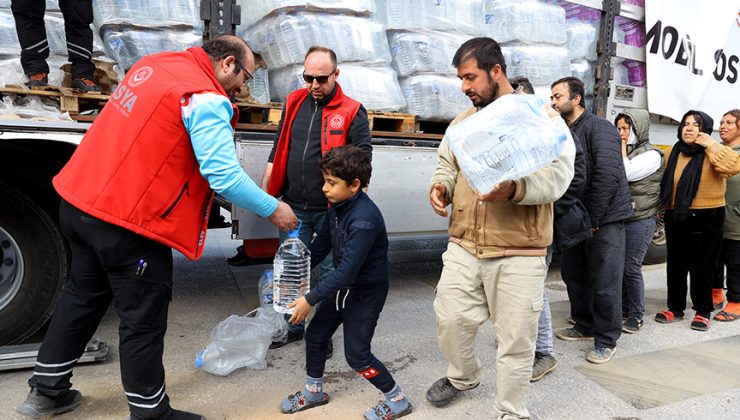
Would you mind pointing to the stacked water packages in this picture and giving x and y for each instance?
(10, 49)
(290, 28)
(533, 37)
(131, 29)
(508, 139)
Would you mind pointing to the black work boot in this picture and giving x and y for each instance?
(85, 85)
(38, 80)
(443, 392)
(39, 405)
(173, 414)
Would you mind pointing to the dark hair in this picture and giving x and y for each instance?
(524, 83)
(623, 116)
(316, 48)
(575, 87)
(224, 46)
(697, 117)
(735, 113)
(347, 163)
(486, 51)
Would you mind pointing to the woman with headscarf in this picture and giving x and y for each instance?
(643, 164)
(729, 132)
(693, 193)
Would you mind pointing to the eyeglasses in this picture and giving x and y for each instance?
(249, 75)
(321, 79)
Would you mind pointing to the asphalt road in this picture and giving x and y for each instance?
(663, 372)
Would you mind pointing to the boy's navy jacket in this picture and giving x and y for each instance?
(354, 231)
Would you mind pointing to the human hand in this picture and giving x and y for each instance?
(283, 217)
(301, 308)
(704, 140)
(502, 191)
(438, 199)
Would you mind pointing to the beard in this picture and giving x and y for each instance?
(486, 96)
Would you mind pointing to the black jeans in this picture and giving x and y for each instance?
(592, 272)
(730, 258)
(358, 309)
(693, 247)
(29, 24)
(105, 270)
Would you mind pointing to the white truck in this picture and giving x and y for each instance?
(34, 257)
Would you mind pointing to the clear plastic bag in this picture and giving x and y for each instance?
(508, 139)
(31, 107)
(375, 87)
(542, 64)
(236, 342)
(257, 10)
(462, 15)
(424, 51)
(526, 21)
(147, 13)
(284, 39)
(127, 45)
(434, 97)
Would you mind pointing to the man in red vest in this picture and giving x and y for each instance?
(139, 184)
(315, 119)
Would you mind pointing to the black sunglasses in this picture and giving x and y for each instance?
(321, 79)
(249, 75)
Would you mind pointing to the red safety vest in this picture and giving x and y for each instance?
(336, 119)
(135, 167)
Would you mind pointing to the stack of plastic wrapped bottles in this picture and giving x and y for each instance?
(10, 49)
(283, 30)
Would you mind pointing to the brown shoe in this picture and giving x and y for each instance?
(85, 85)
(38, 80)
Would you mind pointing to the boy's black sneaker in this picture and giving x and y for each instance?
(38, 80)
(632, 325)
(85, 85)
(38, 405)
(291, 337)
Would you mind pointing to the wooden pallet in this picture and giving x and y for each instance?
(69, 100)
(256, 113)
(392, 121)
(435, 127)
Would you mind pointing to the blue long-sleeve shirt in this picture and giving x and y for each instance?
(207, 119)
(355, 233)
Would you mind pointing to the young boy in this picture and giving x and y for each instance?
(354, 293)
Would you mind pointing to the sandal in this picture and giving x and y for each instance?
(383, 411)
(724, 316)
(667, 317)
(700, 323)
(298, 402)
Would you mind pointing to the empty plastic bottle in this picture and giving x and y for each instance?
(291, 272)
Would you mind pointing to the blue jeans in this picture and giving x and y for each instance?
(544, 343)
(637, 235)
(312, 220)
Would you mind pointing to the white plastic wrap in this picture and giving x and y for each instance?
(147, 13)
(283, 40)
(31, 107)
(582, 38)
(253, 11)
(462, 15)
(259, 86)
(541, 64)
(508, 139)
(528, 21)
(9, 45)
(424, 51)
(584, 70)
(434, 97)
(127, 44)
(11, 72)
(375, 87)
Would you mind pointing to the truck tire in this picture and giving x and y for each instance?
(33, 265)
(657, 252)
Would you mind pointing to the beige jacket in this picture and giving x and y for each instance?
(521, 226)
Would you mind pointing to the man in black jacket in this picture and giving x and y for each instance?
(592, 269)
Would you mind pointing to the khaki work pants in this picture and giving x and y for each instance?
(508, 290)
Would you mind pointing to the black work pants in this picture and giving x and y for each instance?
(592, 272)
(105, 270)
(731, 259)
(29, 24)
(358, 309)
(693, 247)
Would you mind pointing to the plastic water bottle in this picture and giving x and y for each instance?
(291, 272)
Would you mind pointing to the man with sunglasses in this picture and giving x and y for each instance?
(139, 184)
(315, 119)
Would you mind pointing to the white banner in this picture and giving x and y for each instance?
(693, 56)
